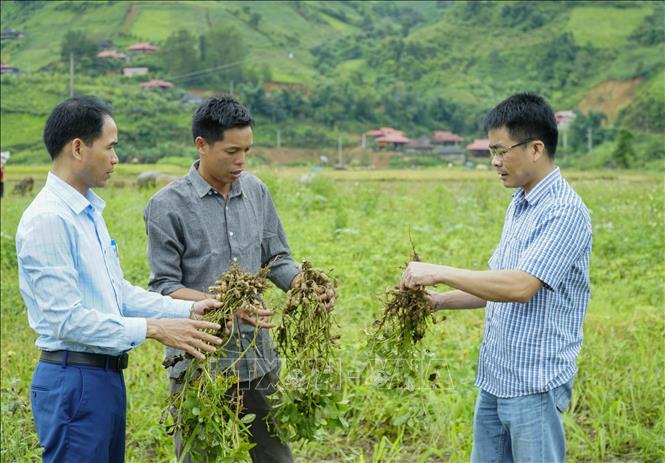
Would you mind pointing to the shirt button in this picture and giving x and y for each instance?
(230, 233)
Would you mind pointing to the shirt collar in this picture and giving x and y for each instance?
(540, 190)
(71, 196)
(202, 187)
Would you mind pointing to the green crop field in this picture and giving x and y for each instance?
(602, 28)
(358, 223)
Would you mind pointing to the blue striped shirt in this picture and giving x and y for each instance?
(71, 281)
(531, 348)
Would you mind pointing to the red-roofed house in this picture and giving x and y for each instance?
(393, 140)
(387, 136)
(111, 54)
(156, 83)
(564, 119)
(444, 137)
(142, 48)
(480, 147)
(8, 69)
(383, 131)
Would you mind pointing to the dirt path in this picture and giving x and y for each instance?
(132, 13)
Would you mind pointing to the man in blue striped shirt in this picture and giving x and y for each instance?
(86, 315)
(535, 293)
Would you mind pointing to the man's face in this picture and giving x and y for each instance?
(224, 160)
(515, 165)
(98, 159)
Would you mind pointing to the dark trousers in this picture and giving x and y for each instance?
(268, 448)
(79, 412)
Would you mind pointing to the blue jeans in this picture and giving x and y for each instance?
(79, 413)
(520, 429)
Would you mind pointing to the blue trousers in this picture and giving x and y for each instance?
(526, 429)
(80, 413)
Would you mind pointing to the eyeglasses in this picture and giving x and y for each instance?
(500, 153)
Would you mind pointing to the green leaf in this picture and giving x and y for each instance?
(400, 420)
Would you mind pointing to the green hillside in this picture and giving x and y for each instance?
(340, 68)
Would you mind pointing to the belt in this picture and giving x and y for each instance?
(86, 359)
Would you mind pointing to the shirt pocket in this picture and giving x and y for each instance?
(249, 247)
(114, 259)
(250, 238)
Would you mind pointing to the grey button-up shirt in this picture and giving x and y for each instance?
(194, 236)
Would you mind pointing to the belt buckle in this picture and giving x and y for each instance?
(123, 360)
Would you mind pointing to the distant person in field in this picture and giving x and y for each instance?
(536, 292)
(86, 315)
(198, 226)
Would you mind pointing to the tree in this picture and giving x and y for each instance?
(255, 19)
(557, 64)
(624, 154)
(179, 53)
(78, 43)
(224, 47)
(578, 131)
(652, 30)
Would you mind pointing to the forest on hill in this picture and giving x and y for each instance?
(319, 71)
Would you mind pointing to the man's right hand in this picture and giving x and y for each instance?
(184, 334)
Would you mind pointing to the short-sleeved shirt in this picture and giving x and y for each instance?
(194, 235)
(532, 347)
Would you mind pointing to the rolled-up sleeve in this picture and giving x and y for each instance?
(559, 241)
(275, 247)
(164, 249)
(46, 250)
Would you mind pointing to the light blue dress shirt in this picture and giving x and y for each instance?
(71, 281)
(532, 347)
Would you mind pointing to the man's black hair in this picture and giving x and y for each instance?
(76, 117)
(526, 116)
(216, 114)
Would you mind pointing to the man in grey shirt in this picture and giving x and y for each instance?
(202, 223)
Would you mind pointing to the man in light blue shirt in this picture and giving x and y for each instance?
(536, 292)
(86, 315)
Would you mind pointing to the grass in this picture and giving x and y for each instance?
(357, 223)
(604, 27)
(20, 129)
